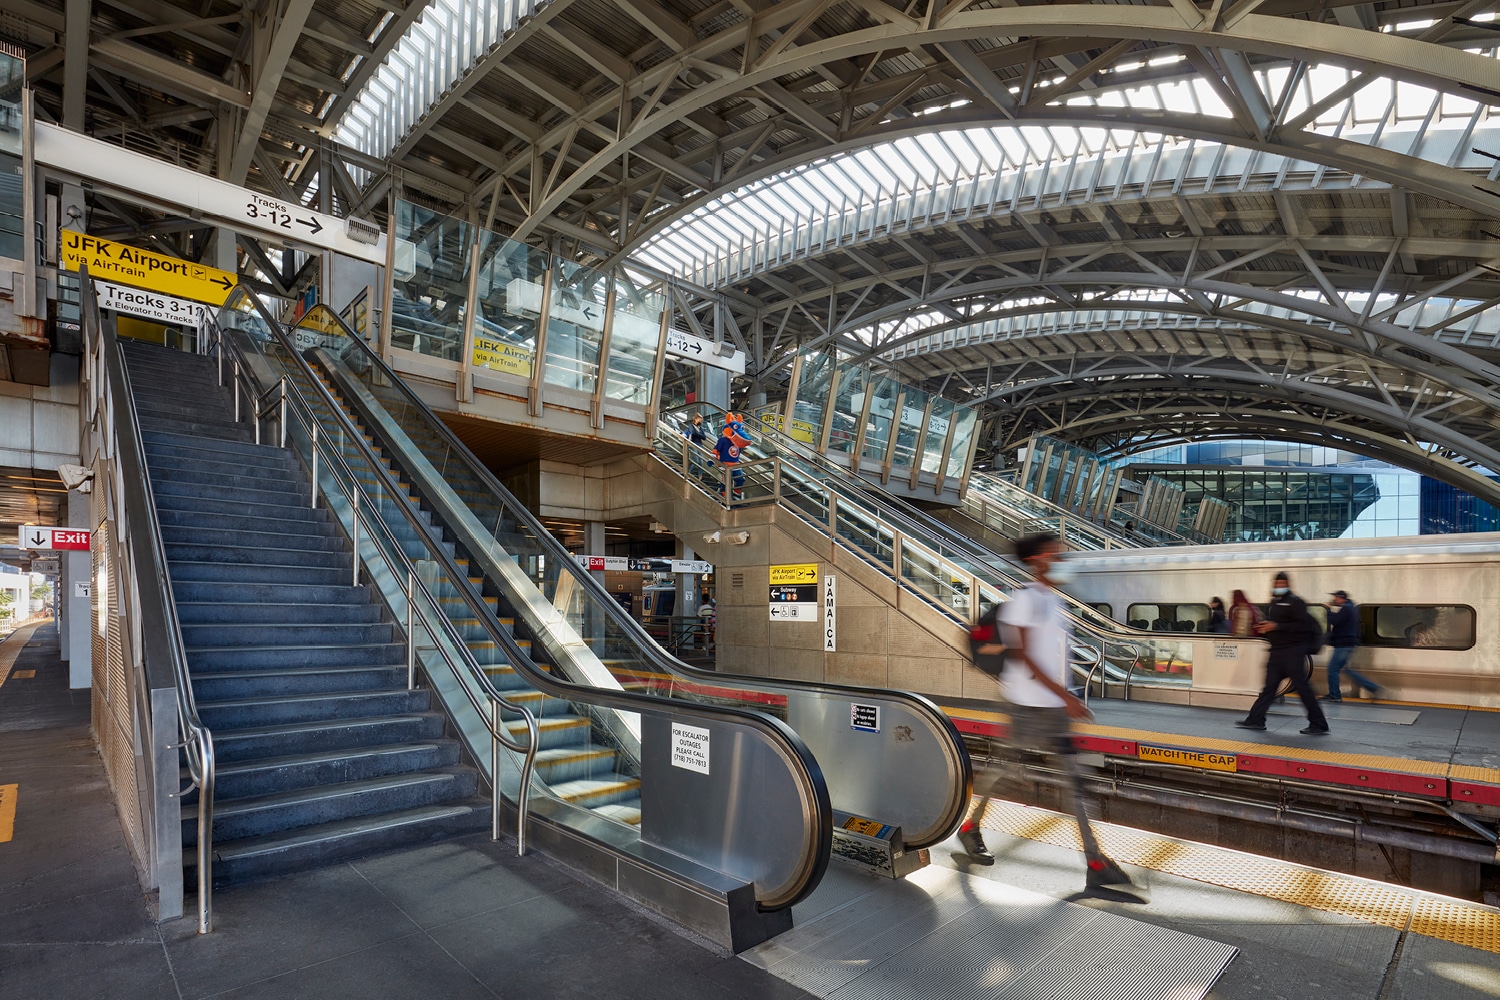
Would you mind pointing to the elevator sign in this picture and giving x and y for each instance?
(143, 269)
(66, 539)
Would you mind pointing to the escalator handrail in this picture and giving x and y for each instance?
(661, 661)
(154, 586)
(777, 732)
(1082, 616)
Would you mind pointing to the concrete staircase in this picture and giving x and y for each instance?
(323, 754)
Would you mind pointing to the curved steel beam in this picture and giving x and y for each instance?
(1424, 63)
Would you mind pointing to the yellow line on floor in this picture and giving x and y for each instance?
(1473, 925)
(8, 795)
(13, 644)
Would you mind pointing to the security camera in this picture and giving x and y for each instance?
(711, 538)
(76, 477)
(737, 538)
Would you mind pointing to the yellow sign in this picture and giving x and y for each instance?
(1189, 758)
(866, 827)
(8, 795)
(801, 573)
(801, 429)
(144, 269)
(498, 356)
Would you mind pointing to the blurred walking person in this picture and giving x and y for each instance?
(1243, 616)
(1290, 630)
(1034, 640)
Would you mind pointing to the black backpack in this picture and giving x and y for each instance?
(1319, 636)
(985, 632)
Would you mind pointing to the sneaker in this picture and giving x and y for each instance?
(1247, 724)
(1314, 731)
(1330, 697)
(973, 843)
(1104, 872)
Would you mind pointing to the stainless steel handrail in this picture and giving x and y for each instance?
(197, 740)
(367, 513)
(813, 789)
(635, 631)
(979, 565)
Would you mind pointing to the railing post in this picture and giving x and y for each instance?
(315, 465)
(205, 834)
(236, 392)
(411, 635)
(282, 418)
(495, 774)
(354, 533)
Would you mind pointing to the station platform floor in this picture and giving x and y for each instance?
(466, 918)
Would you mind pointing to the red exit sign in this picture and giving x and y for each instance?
(32, 537)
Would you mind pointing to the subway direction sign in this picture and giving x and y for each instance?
(150, 305)
(1189, 758)
(143, 269)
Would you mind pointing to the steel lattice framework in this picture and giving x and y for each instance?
(1120, 223)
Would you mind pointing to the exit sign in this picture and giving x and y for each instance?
(66, 539)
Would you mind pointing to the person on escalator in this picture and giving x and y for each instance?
(1034, 633)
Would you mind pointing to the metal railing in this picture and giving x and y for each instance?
(951, 572)
(802, 871)
(284, 402)
(144, 576)
(393, 411)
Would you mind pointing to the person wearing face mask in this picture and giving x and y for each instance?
(1034, 634)
(1289, 629)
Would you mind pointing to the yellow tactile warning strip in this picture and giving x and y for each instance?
(8, 796)
(12, 646)
(1470, 924)
(23, 675)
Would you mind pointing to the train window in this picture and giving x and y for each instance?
(1430, 626)
(1104, 609)
(1169, 617)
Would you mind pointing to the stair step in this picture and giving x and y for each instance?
(282, 526)
(250, 657)
(296, 850)
(249, 573)
(261, 634)
(230, 507)
(558, 731)
(166, 436)
(309, 613)
(239, 713)
(302, 807)
(264, 776)
(625, 812)
(221, 592)
(238, 493)
(569, 764)
(231, 685)
(230, 533)
(325, 734)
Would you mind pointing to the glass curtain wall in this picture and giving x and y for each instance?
(514, 288)
(934, 442)
(12, 212)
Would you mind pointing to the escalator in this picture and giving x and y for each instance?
(548, 636)
(954, 574)
(340, 677)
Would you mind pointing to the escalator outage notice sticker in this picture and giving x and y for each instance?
(690, 748)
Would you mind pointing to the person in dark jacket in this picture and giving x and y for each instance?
(1217, 620)
(1343, 636)
(1290, 631)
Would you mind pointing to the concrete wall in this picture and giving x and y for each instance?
(39, 424)
(886, 635)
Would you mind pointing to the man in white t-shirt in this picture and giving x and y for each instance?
(1034, 630)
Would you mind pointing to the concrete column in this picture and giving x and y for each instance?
(593, 544)
(224, 252)
(687, 585)
(75, 610)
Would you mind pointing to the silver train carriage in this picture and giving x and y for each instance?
(1429, 605)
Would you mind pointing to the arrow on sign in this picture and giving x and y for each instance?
(223, 282)
(587, 313)
(313, 224)
(37, 538)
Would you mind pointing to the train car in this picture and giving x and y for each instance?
(1429, 605)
